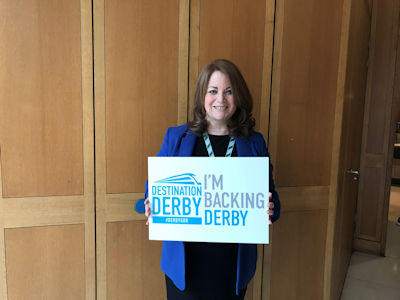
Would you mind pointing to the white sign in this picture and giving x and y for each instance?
(207, 199)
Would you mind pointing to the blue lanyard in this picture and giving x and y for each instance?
(209, 147)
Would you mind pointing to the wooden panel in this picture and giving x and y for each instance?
(3, 277)
(250, 292)
(88, 148)
(119, 207)
(370, 195)
(133, 263)
(298, 255)
(40, 98)
(396, 168)
(386, 238)
(307, 53)
(46, 137)
(54, 268)
(382, 68)
(308, 40)
(352, 77)
(141, 79)
(367, 246)
(304, 198)
(227, 35)
(141, 61)
(377, 144)
(24, 212)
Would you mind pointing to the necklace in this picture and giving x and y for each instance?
(209, 147)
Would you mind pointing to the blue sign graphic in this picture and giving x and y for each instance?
(186, 178)
(175, 198)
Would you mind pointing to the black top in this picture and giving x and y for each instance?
(210, 267)
(219, 143)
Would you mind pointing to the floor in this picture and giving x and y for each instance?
(373, 277)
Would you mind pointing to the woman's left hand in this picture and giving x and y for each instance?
(270, 210)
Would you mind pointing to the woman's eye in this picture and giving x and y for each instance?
(212, 92)
(228, 92)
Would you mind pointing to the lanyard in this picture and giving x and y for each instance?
(209, 147)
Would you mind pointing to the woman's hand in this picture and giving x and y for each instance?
(270, 210)
(147, 211)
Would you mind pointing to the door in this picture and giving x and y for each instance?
(46, 138)
(377, 142)
(349, 126)
(306, 87)
(141, 53)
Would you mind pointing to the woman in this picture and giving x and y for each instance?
(222, 116)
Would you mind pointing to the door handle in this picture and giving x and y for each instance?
(355, 173)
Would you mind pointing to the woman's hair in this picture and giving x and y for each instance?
(242, 122)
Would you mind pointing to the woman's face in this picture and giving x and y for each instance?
(218, 102)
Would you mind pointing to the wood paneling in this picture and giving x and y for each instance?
(141, 62)
(54, 266)
(226, 35)
(88, 148)
(382, 67)
(367, 246)
(39, 211)
(243, 33)
(46, 140)
(298, 255)
(347, 143)
(40, 98)
(370, 195)
(119, 207)
(3, 277)
(377, 144)
(141, 69)
(391, 162)
(307, 54)
(304, 198)
(133, 263)
(141, 80)
(308, 39)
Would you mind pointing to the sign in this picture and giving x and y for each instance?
(207, 199)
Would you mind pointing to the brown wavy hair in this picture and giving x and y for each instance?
(242, 122)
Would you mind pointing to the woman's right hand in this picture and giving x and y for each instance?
(147, 211)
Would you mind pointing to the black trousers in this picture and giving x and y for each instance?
(204, 293)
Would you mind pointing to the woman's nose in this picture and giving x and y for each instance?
(221, 96)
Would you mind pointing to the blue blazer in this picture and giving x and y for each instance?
(180, 141)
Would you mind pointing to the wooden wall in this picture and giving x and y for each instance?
(141, 89)
(347, 139)
(141, 84)
(147, 55)
(377, 142)
(140, 59)
(304, 90)
(47, 246)
(216, 35)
